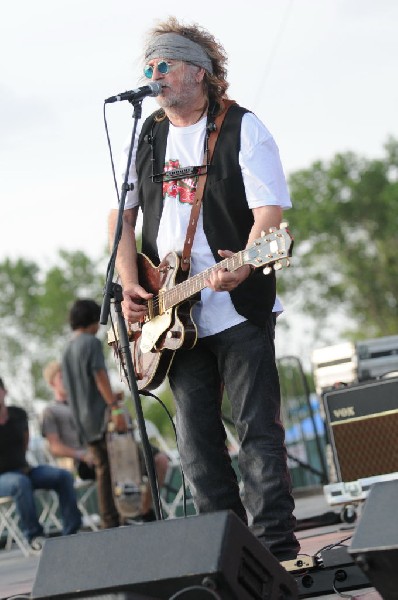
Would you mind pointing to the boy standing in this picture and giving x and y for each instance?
(91, 397)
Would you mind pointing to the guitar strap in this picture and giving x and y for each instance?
(197, 203)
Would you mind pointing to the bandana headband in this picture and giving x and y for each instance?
(178, 47)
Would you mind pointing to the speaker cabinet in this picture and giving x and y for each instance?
(362, 422)
(375, 542)
(156, 560)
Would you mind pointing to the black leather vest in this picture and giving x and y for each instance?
(227, 219)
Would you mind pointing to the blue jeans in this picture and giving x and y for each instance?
(242, 357)
(44, 477)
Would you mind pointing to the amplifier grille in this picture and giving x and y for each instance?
(366, 447)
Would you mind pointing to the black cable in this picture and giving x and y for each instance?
(114, 178)
(113, 290)
(111, 155)
(184, 490)
(116, 346)
(330, 546)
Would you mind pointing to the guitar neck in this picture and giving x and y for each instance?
(191, 286)
(267, 251)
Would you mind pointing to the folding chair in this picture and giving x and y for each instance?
(48, 499)
(85, 491)
(48, 507)
(50, 504)
(172, 493)
(9, 525)
(155, 436)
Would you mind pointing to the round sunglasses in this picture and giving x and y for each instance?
(162, 66)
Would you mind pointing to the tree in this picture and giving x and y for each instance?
(345, 226)
(34, 314)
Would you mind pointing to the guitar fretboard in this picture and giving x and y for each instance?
(186, 289)
(269, 249)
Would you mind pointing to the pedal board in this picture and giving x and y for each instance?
(333, 572)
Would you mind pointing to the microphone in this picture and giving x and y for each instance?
(152, 89)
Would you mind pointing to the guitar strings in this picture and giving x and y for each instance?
(170, 298)
(190, 286)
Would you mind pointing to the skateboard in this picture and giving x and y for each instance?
(126, 472)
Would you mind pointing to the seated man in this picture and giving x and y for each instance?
(19, 480)
(59, 427)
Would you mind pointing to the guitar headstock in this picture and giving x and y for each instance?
(270, 251)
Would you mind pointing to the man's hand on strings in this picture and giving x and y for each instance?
(134, 304)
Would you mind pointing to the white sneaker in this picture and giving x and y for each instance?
(88, 520)
(36, 545)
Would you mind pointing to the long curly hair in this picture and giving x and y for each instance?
(216, 84)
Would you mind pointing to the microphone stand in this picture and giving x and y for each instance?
(114, 290)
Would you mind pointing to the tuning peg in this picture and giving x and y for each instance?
(277, 265)
(267, 270)
(272, 229)
(287, 262)
(284, 225)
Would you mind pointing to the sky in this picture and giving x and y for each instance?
(321, 74)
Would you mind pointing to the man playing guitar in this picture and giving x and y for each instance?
(226, 338)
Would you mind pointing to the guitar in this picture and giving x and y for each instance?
(168, 326)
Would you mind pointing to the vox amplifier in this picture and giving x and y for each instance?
(362, 422)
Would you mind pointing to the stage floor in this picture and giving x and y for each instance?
(17, 572)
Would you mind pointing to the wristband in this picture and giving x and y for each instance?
(117, 411)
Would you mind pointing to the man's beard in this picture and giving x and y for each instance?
(183, 96)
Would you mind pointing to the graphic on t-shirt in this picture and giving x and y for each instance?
(181, 189)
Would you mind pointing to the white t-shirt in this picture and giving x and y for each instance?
(264, 182)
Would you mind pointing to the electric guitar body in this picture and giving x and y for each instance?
(154, 342)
